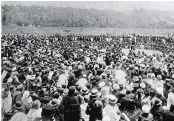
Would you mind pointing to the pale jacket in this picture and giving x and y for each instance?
(34, 114)
(111, 112)
(7, 103)
(170, 99)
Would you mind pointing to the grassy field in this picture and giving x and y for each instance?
(148, 52)
(84, 31)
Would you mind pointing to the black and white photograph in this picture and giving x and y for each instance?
(87, 60)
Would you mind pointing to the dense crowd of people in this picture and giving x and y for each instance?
(86, 78)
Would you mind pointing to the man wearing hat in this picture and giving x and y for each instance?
(34, 113)
(95, 107)
(111, 109)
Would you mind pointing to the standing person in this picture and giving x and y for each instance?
(170, 99)
(95, 107)
(157, 110)
(6, 102)
(26, 101)
(34, 113)
(111, 109)
(71, 106)
(168, 115)
(20, 116)
(146, 115)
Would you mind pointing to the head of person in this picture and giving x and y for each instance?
(112, 100)
(94, 94)
(71, 91)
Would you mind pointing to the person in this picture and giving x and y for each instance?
(71, 106)
(95, 107)
(34, 113)
(168, 114)
(83, 107)
(52, 111)
(6, 101)
(20, 116)
(111, 109)
(170, 99)
(130, 107)
(26, 100)
(157, 110)
(146, 115)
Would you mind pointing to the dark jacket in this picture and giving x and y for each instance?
(71, 108)
(95, 110)
(168, 116)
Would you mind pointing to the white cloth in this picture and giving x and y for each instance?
(26, 98)
(170, 99)
(82, 82)
(34, 113)
(83, 109)
(111, 112)
(63, 79)
(50, 75)
(88, 59)
(4, 73)
(7, 103)
(20, 116)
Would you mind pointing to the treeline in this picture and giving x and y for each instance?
(80, 17)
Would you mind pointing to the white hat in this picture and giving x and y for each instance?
(80, 67)
(116, 86)
(142, 65)
(96, 66)
(84, 75)
(146, 109)
(143, 85)
(112, 99)
(101, 84)
(70, 68)
(172, 76)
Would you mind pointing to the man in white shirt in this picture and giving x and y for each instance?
(111, 109)
(170, 99)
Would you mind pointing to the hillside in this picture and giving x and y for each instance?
(78, 17)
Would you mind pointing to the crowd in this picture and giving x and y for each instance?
(86, 78)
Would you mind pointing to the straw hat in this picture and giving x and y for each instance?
(112, 99)
(54, 102)
(94, 93)
(18, 105)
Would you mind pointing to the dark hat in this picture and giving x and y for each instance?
(45, 100)
(15, 83)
